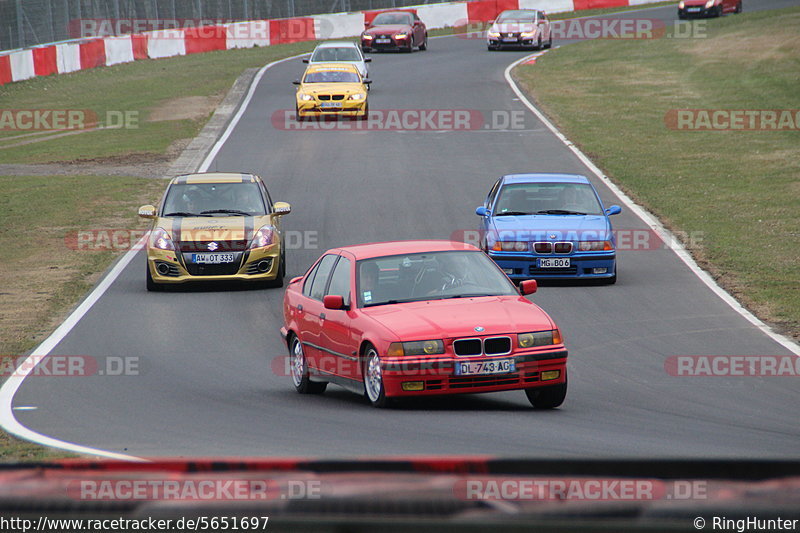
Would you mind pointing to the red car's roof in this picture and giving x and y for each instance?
(379, 249)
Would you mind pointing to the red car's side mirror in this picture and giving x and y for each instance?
(529, 286)
(333, 301)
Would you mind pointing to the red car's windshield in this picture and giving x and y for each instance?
(386, 19)
(429, 276)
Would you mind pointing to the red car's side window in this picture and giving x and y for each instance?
(340, 280)
(323, 272)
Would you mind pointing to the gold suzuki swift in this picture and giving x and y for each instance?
(215, 227)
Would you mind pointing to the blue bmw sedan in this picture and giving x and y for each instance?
(549, 226)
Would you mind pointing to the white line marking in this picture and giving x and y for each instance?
(25, 408)
(652, 221)
(242, 108)
(7, 420)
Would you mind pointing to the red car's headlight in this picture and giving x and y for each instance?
(160, 239)
(263, 237)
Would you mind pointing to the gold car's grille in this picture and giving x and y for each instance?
(213, 246)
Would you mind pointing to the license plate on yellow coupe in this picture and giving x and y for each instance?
(554, 262)
(212, 259)
(473, 368)
(330, 105)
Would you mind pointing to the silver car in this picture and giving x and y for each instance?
(520, 28)
(340, 52)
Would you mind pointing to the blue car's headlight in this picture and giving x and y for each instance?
(595, 246)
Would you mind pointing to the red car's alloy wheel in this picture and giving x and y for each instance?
(373, 378)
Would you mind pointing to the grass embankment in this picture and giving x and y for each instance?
(739, 190)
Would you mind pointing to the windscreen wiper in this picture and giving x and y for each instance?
(512, 213)
(183, 214)
(226, 211)
(559, 212)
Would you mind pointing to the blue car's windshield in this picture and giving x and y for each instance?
(547, 199)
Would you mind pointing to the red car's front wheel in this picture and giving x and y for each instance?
(373, 378)
(548, 397)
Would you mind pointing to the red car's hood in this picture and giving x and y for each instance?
(694, 3)
(440, 319)
(388, 29)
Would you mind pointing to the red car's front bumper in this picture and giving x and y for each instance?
(437, 376)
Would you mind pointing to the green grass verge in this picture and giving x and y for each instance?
(140, 87)
(43, 274)
(739, 190)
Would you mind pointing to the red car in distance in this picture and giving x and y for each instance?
(707, 8)
(414, 318)
(395, 30)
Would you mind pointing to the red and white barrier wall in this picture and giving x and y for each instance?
(66, 57)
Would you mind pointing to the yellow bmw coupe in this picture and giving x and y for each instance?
(332, 89)
(213, 227)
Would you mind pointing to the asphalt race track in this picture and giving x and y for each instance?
(208, 383)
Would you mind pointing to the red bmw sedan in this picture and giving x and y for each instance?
(395, 30)
(414, 318)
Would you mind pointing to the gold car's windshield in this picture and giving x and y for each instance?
(217, 199)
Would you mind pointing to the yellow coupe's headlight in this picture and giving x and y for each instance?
(306, 97)
(431, 347)
(357, 96)
(538, 338)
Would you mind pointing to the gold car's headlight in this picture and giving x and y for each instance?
(528, 34)
(357, 96)
(306, 97)
(493, 34)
